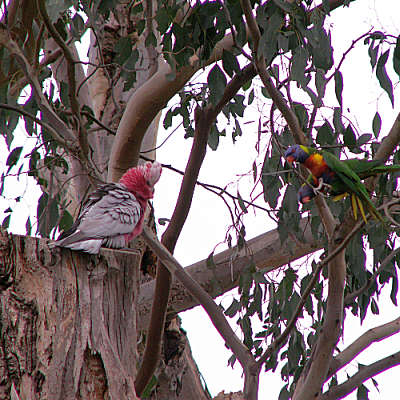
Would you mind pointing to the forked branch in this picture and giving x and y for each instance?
(365, 372)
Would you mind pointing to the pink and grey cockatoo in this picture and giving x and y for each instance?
(113, 214)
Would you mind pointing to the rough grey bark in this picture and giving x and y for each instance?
(68, 321)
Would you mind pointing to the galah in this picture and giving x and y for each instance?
(114, 213)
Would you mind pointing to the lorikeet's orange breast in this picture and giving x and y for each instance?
(316, 164)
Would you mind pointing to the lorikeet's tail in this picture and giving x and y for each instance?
(384, 169)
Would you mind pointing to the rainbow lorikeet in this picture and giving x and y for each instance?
(341, 176)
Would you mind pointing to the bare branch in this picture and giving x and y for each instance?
(373, 335)
(169, 239)
(215, 313)
(365, 372)
(46, 126)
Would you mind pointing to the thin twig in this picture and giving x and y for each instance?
(46, 126)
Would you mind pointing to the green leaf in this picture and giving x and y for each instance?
(339, 87)
(289, 202)
(362, 393)
(77, 26)
(374, 307)
(245, 325)
(299, 65)
(395, 287)
(301, 114)
(28, 226)
(42, 204)
(66, 221)
(383, 77)
(363, 139)
(213, 138)
(216, 82)
(284, 394)
(285, 5)
(13, 157)
(268, 44)
(237, 131)
(56, 8)
(105, 6)
(232, 310)
(376, 124)
(320, 83)
(349, 137)
(241, 203)
(230, 63)
(123, 48)
(163, 19)
(6, 222)
(254, 171)
(251, 97)
(64, 93)
(326, 6)
(322, 49)
(337, 120)
(210, 261)
(373, 54)
(396, 56)
(325, 134)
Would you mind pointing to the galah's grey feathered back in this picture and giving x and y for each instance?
(113, 214)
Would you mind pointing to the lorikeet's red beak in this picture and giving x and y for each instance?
(305, 199)
(290, 159)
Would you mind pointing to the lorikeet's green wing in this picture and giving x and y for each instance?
(352, 182)
(366, 168)
(362, 167)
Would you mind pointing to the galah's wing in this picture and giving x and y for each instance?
(110, 211)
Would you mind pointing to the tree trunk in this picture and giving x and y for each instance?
(67, 321)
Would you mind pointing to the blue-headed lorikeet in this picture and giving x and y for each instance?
(341, 176)
(305, 193)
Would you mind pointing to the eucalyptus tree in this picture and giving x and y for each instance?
(81, 326)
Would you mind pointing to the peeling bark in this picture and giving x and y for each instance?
(68, 322)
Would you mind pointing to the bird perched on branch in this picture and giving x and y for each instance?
(306, 193)
(341, 177)
(114, 213)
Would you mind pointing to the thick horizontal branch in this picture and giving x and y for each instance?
(362, 343)
(266, 251)
(366, 372)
